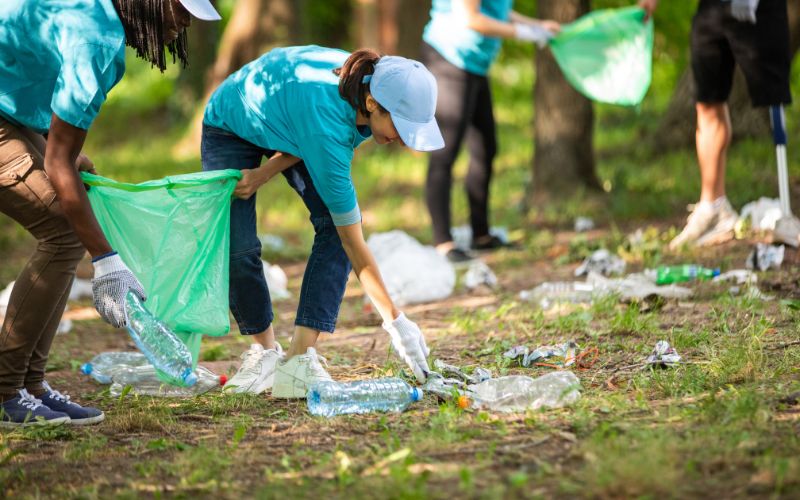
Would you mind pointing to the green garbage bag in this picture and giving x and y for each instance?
(174, 234)
(607, 55)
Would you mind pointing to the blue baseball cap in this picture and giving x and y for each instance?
(407, 90)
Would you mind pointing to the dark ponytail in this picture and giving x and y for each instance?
(351, 78)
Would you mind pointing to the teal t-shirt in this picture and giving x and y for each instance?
(447, 32)
(288, 100)
(58, 56)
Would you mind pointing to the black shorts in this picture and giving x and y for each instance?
(719, 42)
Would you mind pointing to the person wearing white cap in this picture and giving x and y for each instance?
(460, 43)
(59, 59)
(307, 109)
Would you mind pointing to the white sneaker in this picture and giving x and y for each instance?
(294, 376)
(708, 224)
(257, 372)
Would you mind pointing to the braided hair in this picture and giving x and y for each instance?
(143, 21)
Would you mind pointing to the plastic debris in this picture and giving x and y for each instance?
(637, 286)
(517, 393)
(583, 224)
(277, 281)
(445, 370)
(479, 274)
(549, 294)
(601, 261)
(144, 381)
(328, 398)
(103, 366)
(739, 276)
(762, 214)
(764, 257)
(462, 235)
(663, 355)
(567, 350)
(81, 289)
(272, 242)
(413, 273)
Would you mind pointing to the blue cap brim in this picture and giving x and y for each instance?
(419, 136)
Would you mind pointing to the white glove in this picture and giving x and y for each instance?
(409, 343)
(532, 33)
(744, 10)
(111, 283)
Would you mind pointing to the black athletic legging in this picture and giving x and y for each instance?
(464, 106)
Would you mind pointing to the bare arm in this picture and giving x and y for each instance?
(366, 270)
(63, 146)
(488, 26)
(252, 179)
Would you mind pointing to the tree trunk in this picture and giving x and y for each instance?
(677, 127)
(563, 161)
(380, 23)
(253, 25)
(202, 41)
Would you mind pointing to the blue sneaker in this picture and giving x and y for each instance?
(25, 410)
(79, 415)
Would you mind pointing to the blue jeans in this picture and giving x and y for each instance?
(328, 266)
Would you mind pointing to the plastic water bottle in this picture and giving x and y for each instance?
(516, 393)
(159, 344)
(145, 382)
(103, 366)
(330, 398)
(666, 275)
(550, 293)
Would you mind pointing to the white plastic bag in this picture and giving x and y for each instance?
(413, 273)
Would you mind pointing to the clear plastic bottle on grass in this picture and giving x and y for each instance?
(159, 344)
(518, 393)
(145, 382)
(329, 398)
(549, 294)
(103, 366)
(666, 275)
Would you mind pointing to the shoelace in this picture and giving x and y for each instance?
(58, 396)
(28, 401)
(316, 366)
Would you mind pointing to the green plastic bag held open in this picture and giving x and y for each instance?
(607, 55)
(174, 234)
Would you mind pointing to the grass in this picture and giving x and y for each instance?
(714, 426)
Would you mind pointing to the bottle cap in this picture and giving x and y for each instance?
(86, 368)
(189, 378)
(223, 379)
(715, 272)
(416, 393)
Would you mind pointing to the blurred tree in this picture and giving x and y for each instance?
(392, 26)
(677, 127)
(254, 25)
(563, 161)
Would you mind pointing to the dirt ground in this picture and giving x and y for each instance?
(257, 446)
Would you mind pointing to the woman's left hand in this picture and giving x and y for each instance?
(248, 184)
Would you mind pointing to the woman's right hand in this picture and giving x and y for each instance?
(410, 346)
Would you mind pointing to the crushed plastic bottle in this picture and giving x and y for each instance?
(666, 275)
(329, 398)
(549, 294)
(162, 348)
(517, 393)
(145, 382)
(103, 366)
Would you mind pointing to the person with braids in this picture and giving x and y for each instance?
(459, 45)
(307, 109)
(58, 61)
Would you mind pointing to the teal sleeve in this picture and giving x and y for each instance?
(328, 162)
(88, 73)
